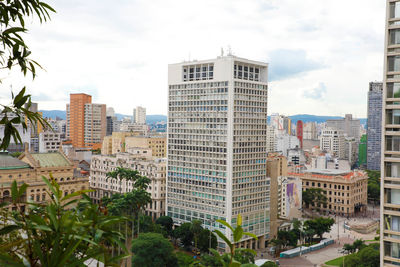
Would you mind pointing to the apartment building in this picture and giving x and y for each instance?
(390, 162)
(140, 160)
(139, 115)
(49, 141)
(86, 122)
(217, 134)
(333, 141)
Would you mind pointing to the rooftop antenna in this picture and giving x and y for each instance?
(222, 51)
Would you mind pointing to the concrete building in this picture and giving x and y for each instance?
(86, 122)
(351, 146)
(157, 144)
(310, 131)
(374, 126)
(49, 142)
(272, 145)
(390, 163)
(30, 167)
(217, 134)
(349, 126)
(346, 191)
(285, 142)
(139, 115)
(333, 141)
(281, 123)
(25, 137)
(140, 160)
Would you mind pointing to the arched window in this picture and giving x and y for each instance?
(6, 193)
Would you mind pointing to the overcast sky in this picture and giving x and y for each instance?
(322, 53)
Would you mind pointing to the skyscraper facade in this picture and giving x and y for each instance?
(374, 127)
(86, 122)
(217, 135)
(139, 115)
(349, 126)
(390, 164)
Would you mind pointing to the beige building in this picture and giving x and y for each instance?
(124, 142)
(140, 160)
(390, 164)
(346, 191)
(310, 131)
(139, 115)
(30, 167)
(333, 141)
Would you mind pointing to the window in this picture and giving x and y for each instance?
(394, 10)
(394, 36)
(394, 63)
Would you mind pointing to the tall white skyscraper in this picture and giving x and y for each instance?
(139, 115)
(217, 139)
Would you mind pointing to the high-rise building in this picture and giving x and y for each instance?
(333, 141)
(86, 122)
(299, 132)
(217, 135)
(310, 131)
(374, 127)
(139, 115)
(349, 126)
(390, 164)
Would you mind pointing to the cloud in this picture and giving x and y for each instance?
(317, 92)
(284, 63)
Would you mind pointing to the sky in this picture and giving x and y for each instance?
(321, 54)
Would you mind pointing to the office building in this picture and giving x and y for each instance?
(139, 115)
(217, 134)
(140, 160)
(346, 191)
(374, 126)
(86, 122)
(349, 126)
(390, 163)
(310, 131)
(281, 123)
(333, 141)
(271, 139)
(49, 142)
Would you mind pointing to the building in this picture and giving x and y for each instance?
(349, 126)
(351, 146)
(390, 150)
(157, 144)
(299, 132)
(140, 160)
(285, 142)
(374, 126)
(139, 115)
(49, 141)
(333, 141)
(310, 131)
(24, 134)
(217, 134)
(113, 124)
(272, 145)
(86, 122)
(281, 123)
(362, 151)
(125, 126)
(346, 191)
(30, 167)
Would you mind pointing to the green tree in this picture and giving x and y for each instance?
(319, 225)
(184, 260)
(349, 248)
(152, 249)
(196, 229)
(210, 261)
(166, 223)
(15, 52)
(366, 257)
(314, 197)
(358, 244)
(204, 240)
(184, 234)
(55, 233)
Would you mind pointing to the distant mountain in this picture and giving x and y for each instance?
(150, 119)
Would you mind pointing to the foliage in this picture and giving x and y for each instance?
(314, 196)
(166, 223)
(15, 52)
(319, 225)
(184, 260)
(210, 261)
(237, 234)
(374, 187)
(366, 257)
(195, 228)
(54, 233)
(204, 240)
(152, 249)
(244, 256)
(269, 264)
(185, 234)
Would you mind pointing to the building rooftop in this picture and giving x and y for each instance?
(55, 159)
(327, 171)
(8, 162)
(332, 173)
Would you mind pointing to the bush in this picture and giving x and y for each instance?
(184, 260)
